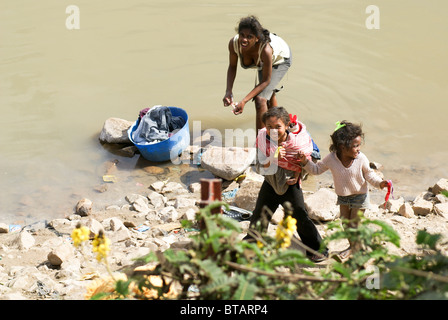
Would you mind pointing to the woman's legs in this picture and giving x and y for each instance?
(273, 101)
(267, 98)
(261, 106)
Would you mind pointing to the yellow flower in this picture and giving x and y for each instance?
(101, 245)
(285, 231)
(80, 234)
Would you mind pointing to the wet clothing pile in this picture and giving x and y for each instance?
(156, 124)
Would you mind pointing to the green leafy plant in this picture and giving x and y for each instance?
(422, 276)
(219, 265)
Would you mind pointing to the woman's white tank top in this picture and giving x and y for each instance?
(280, 51)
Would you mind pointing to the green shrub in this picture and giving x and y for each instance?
(219, 265)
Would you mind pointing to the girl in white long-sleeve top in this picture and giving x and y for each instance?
(351, 173)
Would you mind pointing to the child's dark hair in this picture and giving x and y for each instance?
(344, 135)
(278, 112)
(252, 23)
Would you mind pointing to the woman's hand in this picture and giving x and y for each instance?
(228, 99)
(238, 108)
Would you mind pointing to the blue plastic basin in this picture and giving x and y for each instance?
(169, 149)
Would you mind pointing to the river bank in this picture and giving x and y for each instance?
(39, 261)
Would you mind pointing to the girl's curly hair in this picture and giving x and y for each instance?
(344, 135)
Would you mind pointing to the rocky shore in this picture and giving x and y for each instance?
(39, 261)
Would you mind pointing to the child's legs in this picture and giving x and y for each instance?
(266, 197)
(345, 212)
(305, 227)
(351, 217)
(354, 216)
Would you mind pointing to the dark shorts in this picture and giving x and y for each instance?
(359, 201)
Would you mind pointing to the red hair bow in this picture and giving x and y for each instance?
(293, 118)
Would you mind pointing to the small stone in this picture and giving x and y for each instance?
(441, 209)
(183, 202)
(157, 186)
(60, 254)
(422, 207)
(116, 224)
(169, 214)
(23, 241)
(95, 226)
(393, 205)
(156, 199)
(376, 165)
(173, 187)
(441, 185)
(194, 187)
(84, 207)
(120, 235)
(154, 170)
(190, 214)
(141, 206)
(406, 210)
(4, 228)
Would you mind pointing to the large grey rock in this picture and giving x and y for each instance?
(321, 205)
(247, 194)
(115, 130)
(227, 162)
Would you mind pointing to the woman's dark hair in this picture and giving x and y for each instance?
(252, 23)
(278, 112)
(344, 135)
